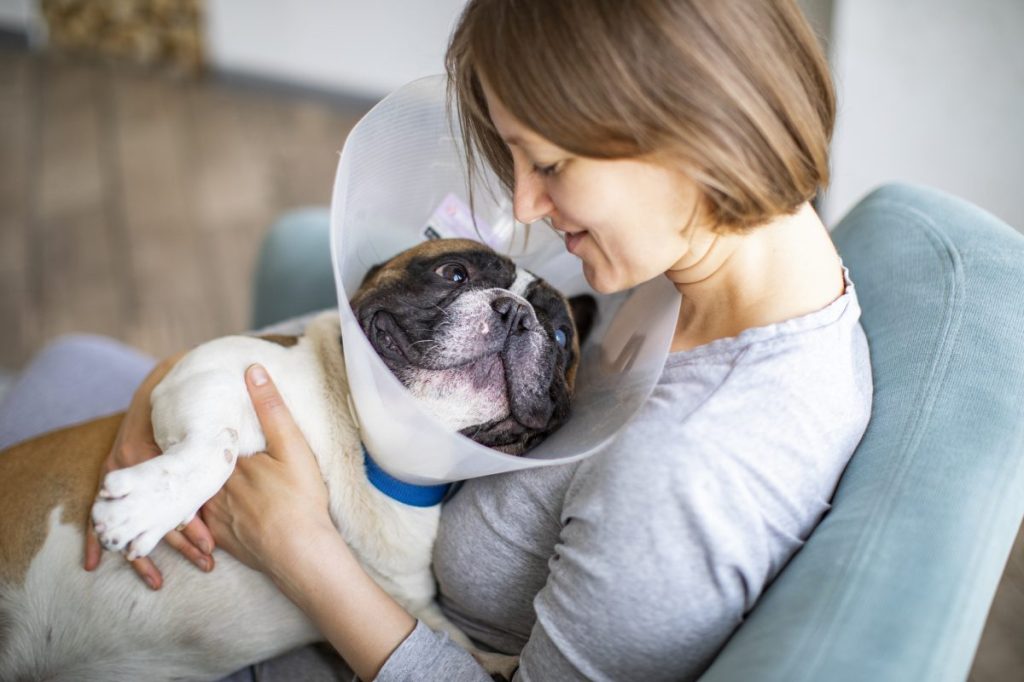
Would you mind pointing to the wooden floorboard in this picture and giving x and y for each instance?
(73, 284)
(169, 271)
(132, 204)
(16, 174)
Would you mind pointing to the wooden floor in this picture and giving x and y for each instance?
(133, 204)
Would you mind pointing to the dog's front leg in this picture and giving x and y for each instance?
(139, 505)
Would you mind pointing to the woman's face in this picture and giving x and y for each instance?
(626, 219)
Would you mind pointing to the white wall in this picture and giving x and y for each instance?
(23, 16)
(358, 46)
(365, 48)
(15, 14)
(930, 91)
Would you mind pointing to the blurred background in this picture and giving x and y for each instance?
(147, 145)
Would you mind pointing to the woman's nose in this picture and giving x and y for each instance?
(530, 200)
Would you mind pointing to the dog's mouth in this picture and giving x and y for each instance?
(490, 385)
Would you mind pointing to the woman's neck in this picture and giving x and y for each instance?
(732, 282)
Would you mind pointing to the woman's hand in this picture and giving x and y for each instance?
(272, 515)
(134, 444)
(272, 498)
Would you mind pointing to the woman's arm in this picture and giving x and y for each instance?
(363, 623)
(273, 516)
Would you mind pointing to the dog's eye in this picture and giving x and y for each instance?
(562, 337)
(453, 272)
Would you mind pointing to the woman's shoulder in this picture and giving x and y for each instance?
(773, 417)
(811, 369)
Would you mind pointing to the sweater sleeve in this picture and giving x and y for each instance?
(427, 654)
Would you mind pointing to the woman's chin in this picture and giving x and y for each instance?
(608, 283)
(600, 282)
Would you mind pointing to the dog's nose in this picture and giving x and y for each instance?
(517, 316)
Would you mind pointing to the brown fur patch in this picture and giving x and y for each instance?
(281, 339)
(61, 468)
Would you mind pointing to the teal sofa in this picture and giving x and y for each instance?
(896, 582)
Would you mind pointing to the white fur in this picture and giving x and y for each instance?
(452, 398)
(69, 624)
(522, 281)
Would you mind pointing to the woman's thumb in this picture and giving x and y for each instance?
(279, 428)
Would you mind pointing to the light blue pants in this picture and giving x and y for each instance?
(75, 378)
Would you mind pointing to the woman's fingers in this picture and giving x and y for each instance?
(146, 569)
(199, 535)
(149, 573)
(190, 549)
(278, 425)
(93, 551)
(195, 543)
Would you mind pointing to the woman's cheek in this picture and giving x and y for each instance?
(569, 192)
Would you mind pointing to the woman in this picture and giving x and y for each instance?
(670, 138)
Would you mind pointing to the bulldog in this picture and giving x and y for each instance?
(488, 348)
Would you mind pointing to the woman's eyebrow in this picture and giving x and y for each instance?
(532, 148)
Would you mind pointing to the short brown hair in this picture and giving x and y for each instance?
(738, 90)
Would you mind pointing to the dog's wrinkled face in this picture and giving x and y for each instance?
(488, 348)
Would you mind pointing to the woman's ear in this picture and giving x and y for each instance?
(584, 314)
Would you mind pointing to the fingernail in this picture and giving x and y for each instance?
(204, 546)
(258, 375)
(204, 564)
(151, 581)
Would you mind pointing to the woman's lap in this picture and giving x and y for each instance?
(313, 663)
(75, 378)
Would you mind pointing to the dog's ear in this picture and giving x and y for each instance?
(370, 273)
(584, 314)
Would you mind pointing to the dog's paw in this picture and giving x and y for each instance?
(137, 506)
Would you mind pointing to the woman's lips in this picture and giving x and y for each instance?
(573, 239)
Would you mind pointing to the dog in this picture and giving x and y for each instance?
(486, 347)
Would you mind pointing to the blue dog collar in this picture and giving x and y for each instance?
(406, 493)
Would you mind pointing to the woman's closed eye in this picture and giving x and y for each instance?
(546, 171)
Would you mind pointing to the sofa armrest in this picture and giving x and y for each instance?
(293, 273)
(896, 581)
